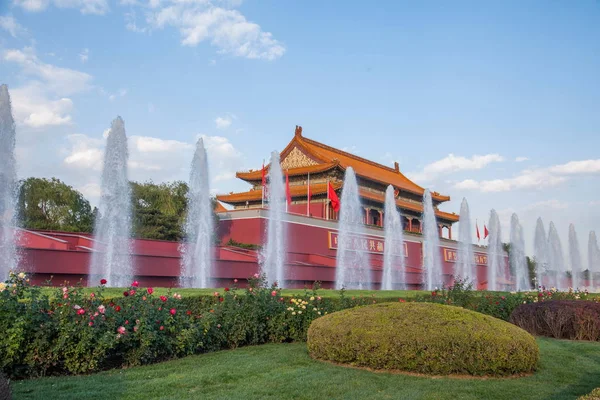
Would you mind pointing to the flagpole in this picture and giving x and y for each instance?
(263, 185)
(327, 203)
(308, 197)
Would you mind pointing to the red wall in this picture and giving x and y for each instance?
(157, 263)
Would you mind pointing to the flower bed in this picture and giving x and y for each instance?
(77, 331)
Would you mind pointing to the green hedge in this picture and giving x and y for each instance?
(424, 338)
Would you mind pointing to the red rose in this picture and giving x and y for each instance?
(125, 293)
(172, 311)
(150, 290)
(161, 328)
(126, 322)
(163, 298)
(103, 281)
(188, 312)
(118, 308)
(81, 311)
(220, 299)
(135, 284)
(227, 289)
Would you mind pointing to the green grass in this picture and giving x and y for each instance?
(285, 371)
(328, 293)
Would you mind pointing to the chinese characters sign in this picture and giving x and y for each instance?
(451, 256)
(365, 243)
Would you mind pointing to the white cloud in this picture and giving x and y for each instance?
(84, 55)
(153, 158)
(85, 152)
(225, 28)
(44, 100)
(521, 159)
(120, 93)
(35, 108)
(534, 178)
(452, 163)
(9, 24)
(99, 7)
(90, 191)
(63, 81)
(551, 204)
(223, 122)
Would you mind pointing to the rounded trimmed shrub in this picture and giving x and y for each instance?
(424, 338)
(560, 319)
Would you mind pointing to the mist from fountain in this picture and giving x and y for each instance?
(518, 260)
(574, 258)
(353, 269)
(556, 260)
(465, 267)
(394, 273)
(496, 264)
(8, 187)
(273, 255)
(540, 252)
(431, 246)
(593, 259)
(196, 260)
(111, 258)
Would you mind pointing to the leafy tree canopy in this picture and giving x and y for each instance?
(51, 204)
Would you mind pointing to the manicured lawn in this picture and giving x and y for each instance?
(285, 371)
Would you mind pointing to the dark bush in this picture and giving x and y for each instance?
(423, 337)
(560, 319)
(4, 388)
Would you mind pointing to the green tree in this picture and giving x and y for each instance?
(159, 210)
(51, 204)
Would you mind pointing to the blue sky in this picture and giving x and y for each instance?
(497, 103)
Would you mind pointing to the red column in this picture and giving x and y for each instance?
(440, 228)
(366, 216)
(381, 219)
(410, 224)
(450, 232)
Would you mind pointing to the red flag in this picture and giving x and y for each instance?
(335, 201)
(485, 231)
(264, 177)
(288, 195)
(477, 229)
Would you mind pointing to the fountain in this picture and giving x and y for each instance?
(540, 252)
(556, 260)
(393, 251)
(8, 186)
(431, 246)
(574, 258)
(352, 261)
(274, 253)
(593, 258)
(495, 253)
(111, 257)
(518, 261)
(465, 266)
(196, 260)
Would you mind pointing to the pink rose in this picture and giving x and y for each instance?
(274, 293)
(172, 311)
(90, 323)
(121, 330)
(132, 292)
(135, 284)
(150, 290)
(101, 309)
(81, 311)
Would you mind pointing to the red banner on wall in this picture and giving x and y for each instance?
(450, 255)
(365, 243)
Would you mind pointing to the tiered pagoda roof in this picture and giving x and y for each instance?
(303, 156)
